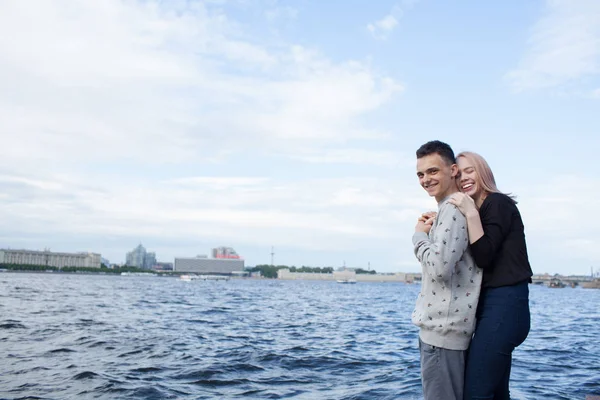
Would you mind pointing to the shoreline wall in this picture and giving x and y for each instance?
(285, 274)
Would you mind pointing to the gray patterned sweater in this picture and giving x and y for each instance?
(445, 308)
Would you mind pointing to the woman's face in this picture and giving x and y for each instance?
(469, 182)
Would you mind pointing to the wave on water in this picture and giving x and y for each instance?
(106, 337)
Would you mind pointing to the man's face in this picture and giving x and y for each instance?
(436, 176)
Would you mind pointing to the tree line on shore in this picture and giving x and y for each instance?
(103, 268)
(266, 270)
(270, 271)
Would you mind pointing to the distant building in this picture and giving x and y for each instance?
(150, 260)
(225, 252)
(50, 259)
(163, 266)
(414, 277)
(105, 261)
(140, 258)
(256, 274)
(224, 261)
(208, 265)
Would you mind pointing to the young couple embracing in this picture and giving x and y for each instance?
(473, 308)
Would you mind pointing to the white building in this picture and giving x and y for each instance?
(206, 265)
(50, 259)
(225, 261)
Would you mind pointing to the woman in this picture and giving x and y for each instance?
(498, 246)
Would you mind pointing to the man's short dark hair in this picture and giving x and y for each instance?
(441, 148)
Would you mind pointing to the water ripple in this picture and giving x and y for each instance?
(106, 337)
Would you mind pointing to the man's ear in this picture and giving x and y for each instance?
(454, 170)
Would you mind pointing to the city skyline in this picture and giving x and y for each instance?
(594, 272)
(140, 257)
(190, 124)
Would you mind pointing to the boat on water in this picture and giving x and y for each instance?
(345, 275)
(189, 278)
(214, 277)
(556, 284)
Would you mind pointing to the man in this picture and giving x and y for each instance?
(445, 308)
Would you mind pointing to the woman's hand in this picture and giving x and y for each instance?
(463, 202)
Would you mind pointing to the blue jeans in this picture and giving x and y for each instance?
(503, 323)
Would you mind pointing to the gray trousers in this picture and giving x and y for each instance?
(442, 372)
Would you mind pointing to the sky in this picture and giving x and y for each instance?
(292, 125)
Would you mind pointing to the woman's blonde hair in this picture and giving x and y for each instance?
(484, 172)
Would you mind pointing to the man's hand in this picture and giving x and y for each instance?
(423, 226)
(463, 202)
(428, 217)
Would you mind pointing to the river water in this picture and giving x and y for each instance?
(111, 337)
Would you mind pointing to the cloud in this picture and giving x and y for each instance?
(178, 80)
(382, 28)
(563, 47)
(218, 182)
(555, 214)
(352, 156)
(279, 13)
(160, 121)
(311, 213)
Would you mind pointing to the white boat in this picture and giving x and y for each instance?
(189, 278)
(346, 281)
(214, 277)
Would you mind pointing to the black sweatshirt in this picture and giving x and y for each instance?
(501, 252)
